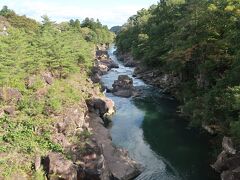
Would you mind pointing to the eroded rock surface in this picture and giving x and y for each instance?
(117, 160)
(123, 86)
(58, 167)
(127, 59)
(10, 95)
(102, 63)
(228, 161)
(102, 106)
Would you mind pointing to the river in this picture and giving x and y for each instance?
(154, 134)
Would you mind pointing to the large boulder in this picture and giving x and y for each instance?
(127, 59)
(47, 77)
(102, 106)
(227, 145)
(130, 63)
(228, 161)
(123, 87)
(10, 95)
(102, 63)
(72, 120)
(111, 64)
(94, 164)
(101, 53)
(116, 160)
(103, 66)
(167, 82)
(231, 174)
(220, 163)
(59, 168)
(96, 78)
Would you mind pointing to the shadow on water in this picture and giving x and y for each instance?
(155, 136)
(168, 135)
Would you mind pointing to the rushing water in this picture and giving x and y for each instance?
(155, 136)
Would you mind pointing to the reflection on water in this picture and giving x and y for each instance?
(155, 136)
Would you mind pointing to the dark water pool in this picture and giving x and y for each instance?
(155, 136)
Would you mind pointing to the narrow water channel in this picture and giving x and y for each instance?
(155, 136)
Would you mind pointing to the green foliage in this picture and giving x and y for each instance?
(30, 107)
(97, 33)
(197, 41)
(21, 135)
(30, 50)
(61, 94)
(39, 175)
(116, 29)
(75, 24)
(5, 11)
(21, 22)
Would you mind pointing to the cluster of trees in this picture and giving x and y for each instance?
(19, 21)
(197, 41)
(93, 30)
(30, 48)
(116, 29)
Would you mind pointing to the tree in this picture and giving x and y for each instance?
(6, 12)
(47, 21)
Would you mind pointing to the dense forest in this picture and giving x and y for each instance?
(44, 69)
(197, 42)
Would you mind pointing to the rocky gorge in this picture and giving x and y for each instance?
(80, 129)
(101, 159)
(228, 162)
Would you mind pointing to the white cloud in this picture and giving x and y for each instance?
(114, 15)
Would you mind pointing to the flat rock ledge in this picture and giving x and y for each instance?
(117, 160)
(228, 161)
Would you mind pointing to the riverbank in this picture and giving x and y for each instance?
(100, 159)
(227, 162)
(154, 134)
(65, 136)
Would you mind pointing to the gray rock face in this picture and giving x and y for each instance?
(96, 78)
(10, 110)
(10, 95)
(231, 175)
(127, 59)
(95, 167)
(102, 63)
(219, 164)
(48, 78)
(103, 106)
(123, 87)
(117, 160)
(123, 93)
(228, 161)
(167, 82)
(227, 145)
(58, 167)
(71, 120)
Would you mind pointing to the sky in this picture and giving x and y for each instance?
(109, 12)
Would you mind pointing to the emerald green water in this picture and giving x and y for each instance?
(155, 136)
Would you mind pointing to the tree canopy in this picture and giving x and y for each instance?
(198, 42)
